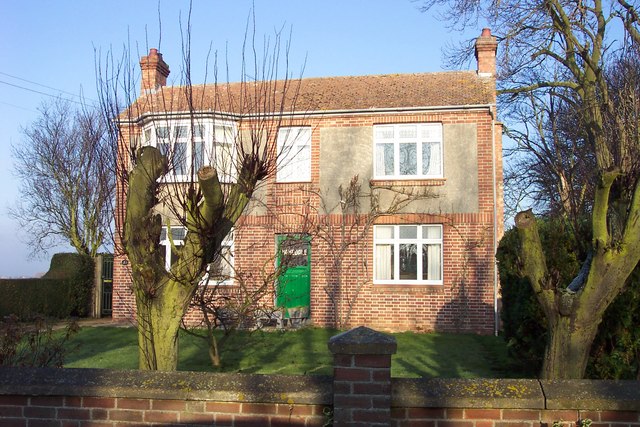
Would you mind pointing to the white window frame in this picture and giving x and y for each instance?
(397, 136)
(227, 249)
(294, 154)
(393, 244)
(167, 242)
(210, 137)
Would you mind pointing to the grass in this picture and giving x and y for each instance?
(302, 351)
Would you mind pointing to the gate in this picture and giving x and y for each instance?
(107, 284)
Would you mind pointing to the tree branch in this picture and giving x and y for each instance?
(600, 209)
(211, 188)
(538, 85)
(535, 265)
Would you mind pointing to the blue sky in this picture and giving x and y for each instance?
(50, 47)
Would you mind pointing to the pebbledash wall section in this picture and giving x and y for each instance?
(361, 393)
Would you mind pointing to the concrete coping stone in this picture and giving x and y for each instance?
(592, 394)
(516, 394)
(363, 340)
(467, 393)
(317, 390)
(209, 386)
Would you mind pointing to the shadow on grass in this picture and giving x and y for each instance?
(450, 356)
(103, 347)
(300, 352)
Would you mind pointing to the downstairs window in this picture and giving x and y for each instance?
(407, 254)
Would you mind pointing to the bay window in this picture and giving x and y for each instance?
(189, 147)
(407, 254)
(171, 238)
(220, 271)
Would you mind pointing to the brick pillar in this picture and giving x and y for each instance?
(362, 377)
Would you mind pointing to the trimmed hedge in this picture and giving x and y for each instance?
(64, 291)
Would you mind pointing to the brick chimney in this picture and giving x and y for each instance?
(154, 72)
(486, 47)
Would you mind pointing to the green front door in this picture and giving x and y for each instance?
(294, 282)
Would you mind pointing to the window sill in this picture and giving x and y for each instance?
(427, 182)
(183, 179)
(227, 284)
(409, 288)
(293, 182)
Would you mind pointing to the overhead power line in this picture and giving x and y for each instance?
(40, 92)
(18, 107)
(58, 91)
(41, 85)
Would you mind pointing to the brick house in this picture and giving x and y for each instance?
(427, 264)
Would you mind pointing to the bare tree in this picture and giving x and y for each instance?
(560, 50)
(551, 160)
(248, 305)
(168, 175)
(67, 187)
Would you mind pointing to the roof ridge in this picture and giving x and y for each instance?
(359, 76)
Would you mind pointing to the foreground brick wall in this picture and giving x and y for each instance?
(97, 398)
(53, 397)
(361, 393)
(497, 417)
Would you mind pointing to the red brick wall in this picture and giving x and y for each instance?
(500, 417)
(88, 411)
(18, 410)
(123, 304)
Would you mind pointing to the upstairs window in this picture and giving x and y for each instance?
(294, 154)
(408, 151)
(407, 254)
(190, 147)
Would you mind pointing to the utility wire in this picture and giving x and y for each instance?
(17, 106)
(40, 92)
(44, 86)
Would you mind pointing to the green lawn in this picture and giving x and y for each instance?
(299, 352)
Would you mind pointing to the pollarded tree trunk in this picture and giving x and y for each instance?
(158, 322)
(163, 297)
(567, 351)
(574, 312)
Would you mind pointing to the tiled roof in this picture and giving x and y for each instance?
(391, 91)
